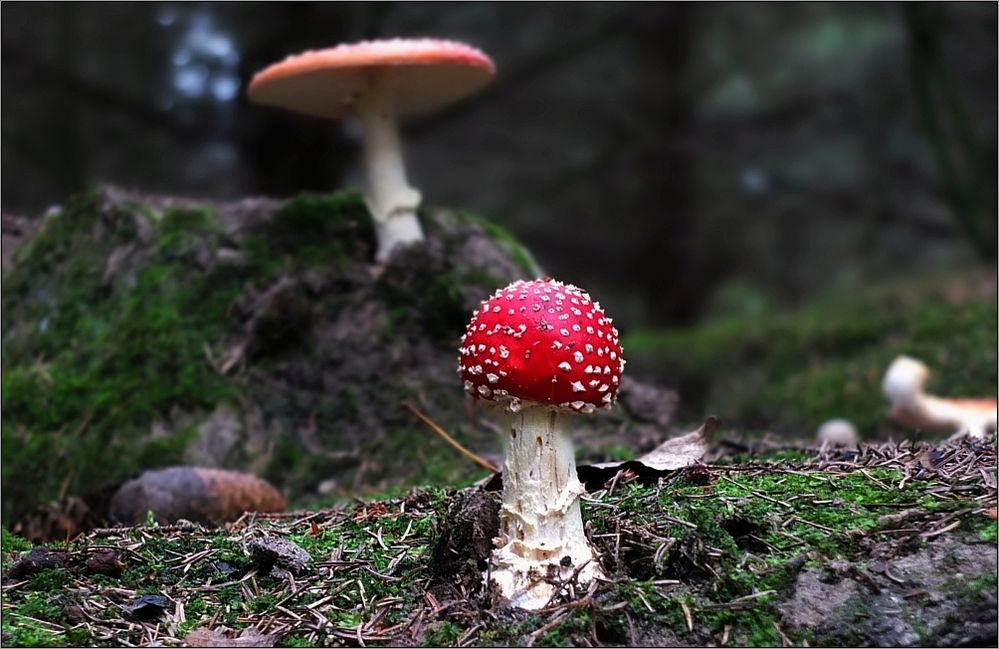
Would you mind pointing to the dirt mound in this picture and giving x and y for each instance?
(143, 331)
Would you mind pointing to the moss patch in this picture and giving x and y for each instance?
(94, 359)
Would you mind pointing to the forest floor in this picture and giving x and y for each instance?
(144, 331)
(891, 545)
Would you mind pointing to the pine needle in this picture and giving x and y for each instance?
(485, 464)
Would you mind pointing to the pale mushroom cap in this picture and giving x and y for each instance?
(904, 380)
(427, 74)
(838, 432)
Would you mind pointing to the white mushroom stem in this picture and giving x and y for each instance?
(541, 541)
(390, 199)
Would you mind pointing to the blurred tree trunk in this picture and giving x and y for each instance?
(292, 153)
(71, 155)
(664, 35)
(949, 128)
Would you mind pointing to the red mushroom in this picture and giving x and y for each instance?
(378, 81)
(539, 351)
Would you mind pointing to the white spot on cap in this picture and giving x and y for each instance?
(484, 390)
(564, 332)
(577, 386)
(565, 367)
(578, 356)
(492, 378)
(504, 352)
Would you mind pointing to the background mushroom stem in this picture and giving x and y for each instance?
(390, 198)
(541, 529)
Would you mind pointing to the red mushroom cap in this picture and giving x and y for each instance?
(542, 342)
(427, 74)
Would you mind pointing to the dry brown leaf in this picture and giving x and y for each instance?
(223, 637)
(681, 451)
(673, 454)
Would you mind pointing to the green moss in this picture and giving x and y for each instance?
(442, 634)
(21, 626)
(434, 300)
(182, 231)
(313, 231)
(263, 603)
(12, 542)
(51, 579)
(738, 538)
(97, 355)
(989, 532)
(795, 370)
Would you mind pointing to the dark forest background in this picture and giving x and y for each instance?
(681, 161)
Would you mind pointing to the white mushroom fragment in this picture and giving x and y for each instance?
(838, 433)
(378, 81)
(904, 385)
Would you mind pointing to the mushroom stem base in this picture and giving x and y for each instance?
(390, 198)
(394, 229)
(542, 544)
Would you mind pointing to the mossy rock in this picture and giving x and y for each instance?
(143, 331)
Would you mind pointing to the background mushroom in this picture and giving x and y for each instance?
(378, 81)
(540, 351)
(838, 433)
(904, 384)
